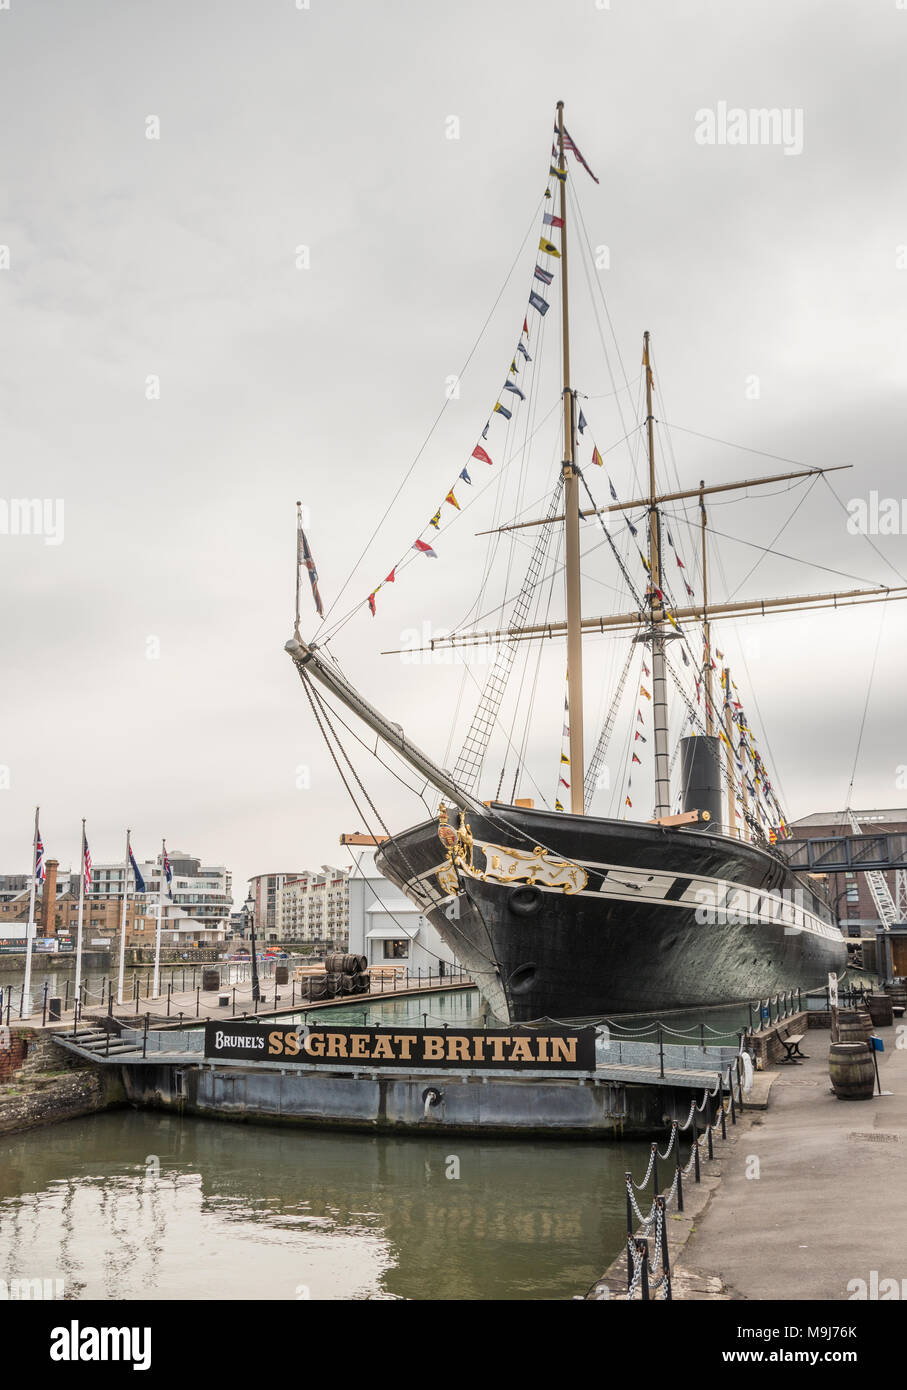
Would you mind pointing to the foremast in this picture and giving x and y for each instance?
(571, 519)
(657, 610)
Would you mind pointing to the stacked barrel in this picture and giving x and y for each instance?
(850, 1064)
(344, 973)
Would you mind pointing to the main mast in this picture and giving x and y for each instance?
(659, 682)
(571, 521)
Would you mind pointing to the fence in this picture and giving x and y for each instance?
(642, 1266)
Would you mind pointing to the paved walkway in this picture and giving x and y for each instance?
(829, 1204)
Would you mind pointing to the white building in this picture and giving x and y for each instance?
(204, 892)
(385, 926)
(314, 906)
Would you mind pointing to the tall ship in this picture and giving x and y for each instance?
(558, 911)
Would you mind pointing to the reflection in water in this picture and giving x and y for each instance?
(142, 1204)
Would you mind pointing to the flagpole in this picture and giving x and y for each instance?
(81, 921)
(123, 925)
(155, 989)
(571, 521)
(298, 533)
(30, 929)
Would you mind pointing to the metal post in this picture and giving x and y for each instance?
(696, 1169)
(43, 1008)
(702, 1036)
(169, 988)
(234, 1001)
(679, 1177)
(197, 1000)
(749, 1009)
(708, 1130)
(721, 1105)
(629, 1180)
(799, 1005)
(665, 1260)
(145, 1037)
(654, 1170)
(730, 1086)
(661, 1051)
(642, 1249)
(21, 999)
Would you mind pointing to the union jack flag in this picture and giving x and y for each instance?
(40, 872)
(304, 556)
(86, 864)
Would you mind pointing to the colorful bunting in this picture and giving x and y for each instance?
(436, 520)
(546, 276)
(551, 221)
(392, 576)
(512, 386)
(371, 601)
(537, 302)
(465, 476)
(581, 423)
(424, 549)
(480, 454)
(597, 460)
(502, 410)
(452, 500)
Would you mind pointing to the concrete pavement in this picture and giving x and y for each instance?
(813, 1193)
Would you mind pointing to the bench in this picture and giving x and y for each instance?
(791, 1044)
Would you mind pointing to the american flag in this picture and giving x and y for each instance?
(570, 147)
(86, 863)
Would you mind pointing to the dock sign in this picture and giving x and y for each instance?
(492, 1049)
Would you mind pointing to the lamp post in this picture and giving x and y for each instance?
(249, 909)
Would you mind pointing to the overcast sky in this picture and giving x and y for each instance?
(144, 681)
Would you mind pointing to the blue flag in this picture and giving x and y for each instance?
(521, 348)
(465, 476)
(139, 881)
(538, 303)
(510, 386)
(582, 422)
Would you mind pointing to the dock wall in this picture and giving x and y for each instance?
(566, 1108)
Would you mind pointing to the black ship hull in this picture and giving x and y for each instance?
(561, 916)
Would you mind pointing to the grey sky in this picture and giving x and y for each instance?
(175, 258)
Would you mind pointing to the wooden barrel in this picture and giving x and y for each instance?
(210, 979)
(361, 982)
(332, 980)
(853, 1026)
(281, 974)
(346, 983)
(316, 987)
(342, 961)
(881, 1010)
(851, 1070)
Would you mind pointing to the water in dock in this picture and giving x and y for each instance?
(136, 1204)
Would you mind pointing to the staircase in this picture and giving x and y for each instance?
(98, 1045)
(878, 885)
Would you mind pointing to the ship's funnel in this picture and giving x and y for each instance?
(700, 778)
